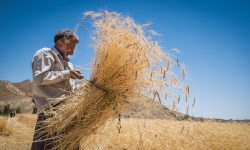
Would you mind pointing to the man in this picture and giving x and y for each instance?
(52, 78)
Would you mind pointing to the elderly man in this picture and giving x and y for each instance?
(52, 78)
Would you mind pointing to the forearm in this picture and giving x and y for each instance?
(51, 77)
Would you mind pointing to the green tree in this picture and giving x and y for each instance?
(6, 109)
(34, 110)
(1, 109)
(18, 110)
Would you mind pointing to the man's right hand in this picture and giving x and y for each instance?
(76, 74)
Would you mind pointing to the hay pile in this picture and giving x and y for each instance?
(128, 63)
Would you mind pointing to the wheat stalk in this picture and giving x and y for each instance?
(126, 63)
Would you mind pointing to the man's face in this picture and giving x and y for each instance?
(66, 47)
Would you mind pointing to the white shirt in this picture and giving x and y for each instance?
(51, 76)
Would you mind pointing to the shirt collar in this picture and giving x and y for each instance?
(59, 54)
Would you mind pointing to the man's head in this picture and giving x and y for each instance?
(65, 42)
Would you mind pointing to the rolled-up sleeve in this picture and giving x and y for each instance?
(43, 72)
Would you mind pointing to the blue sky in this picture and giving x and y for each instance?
(213, 36)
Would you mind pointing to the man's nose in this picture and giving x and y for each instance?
(72, 50)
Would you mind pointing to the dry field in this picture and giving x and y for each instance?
(144, 134)
(22, 127)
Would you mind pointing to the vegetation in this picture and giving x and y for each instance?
(5, 130)
(144, 134)
(7, 109)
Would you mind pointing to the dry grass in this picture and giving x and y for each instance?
(5, 129)
(27, 119)
(180, 135)
(146, 134)
(22, 133)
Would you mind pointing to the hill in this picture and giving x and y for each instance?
(146, 108)
(17, 95)
(24, 86)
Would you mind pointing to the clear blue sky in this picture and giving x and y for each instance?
(213, 36)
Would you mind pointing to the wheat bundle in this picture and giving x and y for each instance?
(128, 63)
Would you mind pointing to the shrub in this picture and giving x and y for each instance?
(4, 129)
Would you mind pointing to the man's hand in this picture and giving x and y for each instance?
(76, 74)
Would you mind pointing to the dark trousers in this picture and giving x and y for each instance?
(40, 142)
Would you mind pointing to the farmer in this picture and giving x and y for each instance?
(52, 78)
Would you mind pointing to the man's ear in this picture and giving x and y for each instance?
(60, 42)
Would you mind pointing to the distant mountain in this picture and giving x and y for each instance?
(17, 95)
(25, 86)
(143, 107)
(8, 90)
